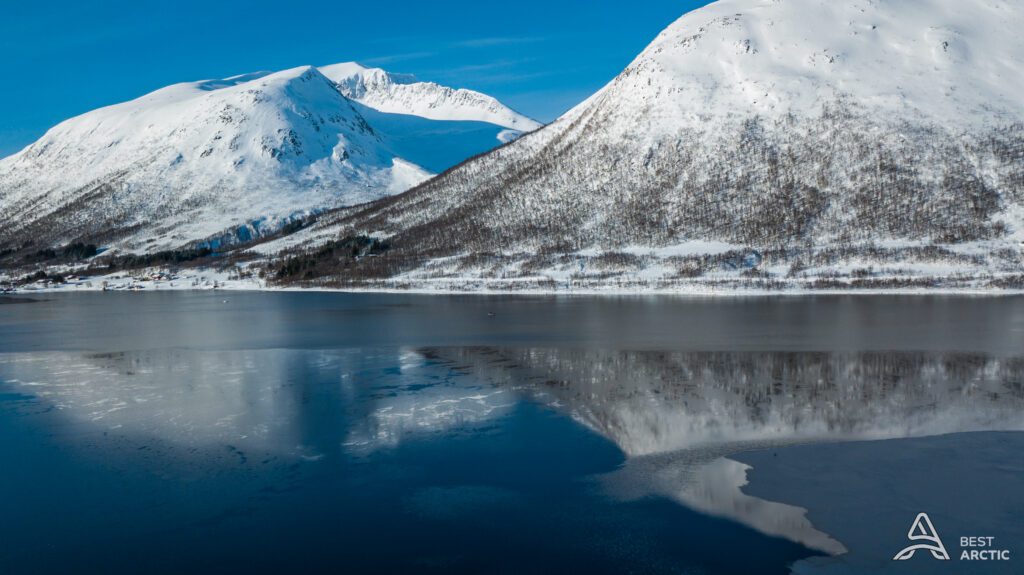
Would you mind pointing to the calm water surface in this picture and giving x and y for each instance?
(302, 432)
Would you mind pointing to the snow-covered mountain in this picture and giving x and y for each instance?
(431, 125)
(765, 141)
(226, 160)
(403, 94)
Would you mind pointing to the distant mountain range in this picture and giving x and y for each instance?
(777, 144)
(403, 94)
(226, 161)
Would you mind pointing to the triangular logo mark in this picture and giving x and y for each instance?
(923, 531)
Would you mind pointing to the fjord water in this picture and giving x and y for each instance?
(305, 432)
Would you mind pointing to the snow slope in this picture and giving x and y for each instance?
(225, 161)
(869, 136)
(403, 94)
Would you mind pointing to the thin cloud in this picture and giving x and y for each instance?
(391, 58)
(477, 68)
(496, 41)
(510, 77)
(439, 50)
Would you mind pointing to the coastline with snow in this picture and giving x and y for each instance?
(208, 279)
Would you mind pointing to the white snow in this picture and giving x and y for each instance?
(215, 154)
(690, 248)
(197, 160)
(956, 62)
(403, 94)
(810, 127)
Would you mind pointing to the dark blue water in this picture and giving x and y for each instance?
(308, 433)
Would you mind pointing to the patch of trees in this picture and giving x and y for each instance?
(42, 255)
(292, 227)
(75, 252)
(42, 276)
(330, 256)
(1015, 282)
(80, 251)
(168, 257)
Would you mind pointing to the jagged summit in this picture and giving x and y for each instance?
(353, 74)
(403, 94)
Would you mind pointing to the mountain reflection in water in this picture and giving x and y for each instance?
(674, 415)
(657, 402)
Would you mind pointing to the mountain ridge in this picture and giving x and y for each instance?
(766, 143)
(404, 94)
(220, 161)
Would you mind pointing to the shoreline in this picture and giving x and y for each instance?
(585, 292)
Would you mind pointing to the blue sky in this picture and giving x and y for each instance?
(62, 58)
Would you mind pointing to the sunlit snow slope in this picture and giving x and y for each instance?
(403, 94)
(227, 160)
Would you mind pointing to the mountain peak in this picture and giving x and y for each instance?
(191, 160)
(403, 94)
(347, 72)
(948, 60)
(864, 140)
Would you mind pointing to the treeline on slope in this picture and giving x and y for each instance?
(70, 253)
(161, 258)
(107, 264)
(26, 255)
(840, 178)
(330, 258)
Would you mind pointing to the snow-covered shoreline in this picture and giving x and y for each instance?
(207, 281)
